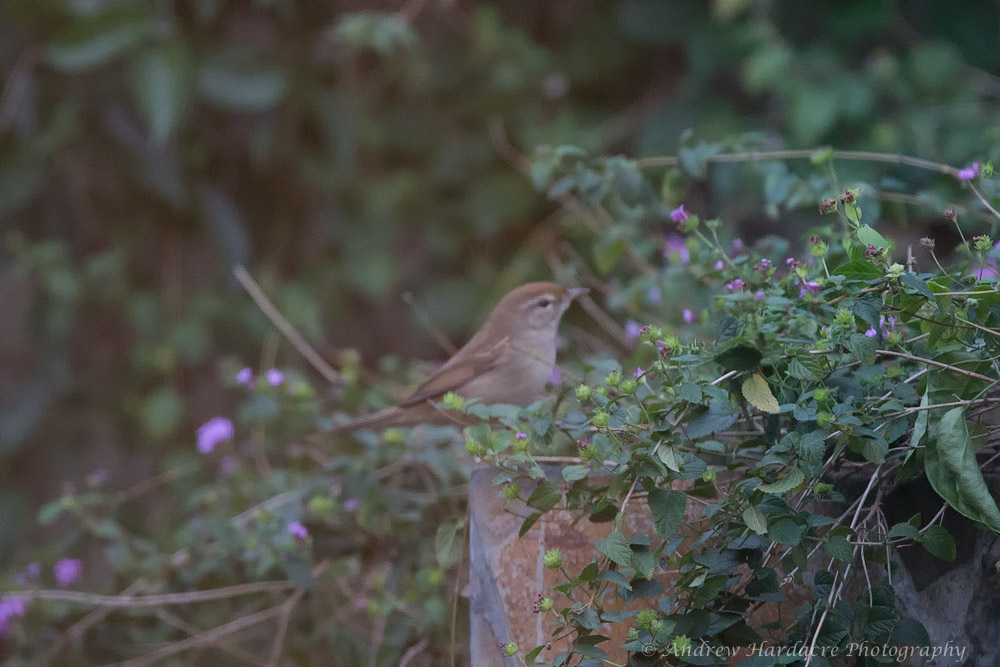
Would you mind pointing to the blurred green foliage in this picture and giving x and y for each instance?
(347, 154)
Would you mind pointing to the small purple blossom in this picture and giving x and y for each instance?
(352, 504)
(29, 576)
(212, 432)
(653, 295)
(969, 173)
(679, 215)
(764, 264)
(632, 330)
(245, 376)
(809, 287)
(718, 265)
(737, 244)
(583, 443)
(10, 606)
(520, 436)
(275, 377)
(67, 571)
(555, 377)
(674, 245)
(298, 530)
(687, 315)
(638, 372)
(789, 261)
(871, 333)
(759, 295)
(735, 285)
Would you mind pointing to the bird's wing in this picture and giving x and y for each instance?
(455, 374)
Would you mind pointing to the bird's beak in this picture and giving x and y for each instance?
(577, 291)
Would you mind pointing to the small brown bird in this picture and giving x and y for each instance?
(508, 361)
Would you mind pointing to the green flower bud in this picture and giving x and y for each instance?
(601, 418)
(655, 626)
(824, 419)
(708, 475)
(509, 649)
(453, 401)
(474, 448)
(821, 394)
(588, 452)
(819, 249)
(628, 386)
(645, 618)
(552, 559)
(601, 391)
(582, 392)
(512, 491)
(713, 224)
(546, 604)
(895, 338)
(983, 242)
(895, 270)
(393, 436)
(844, 317)
(681, 645)
(613, 379)
(633, 634)
(435, 577)
(321, 506)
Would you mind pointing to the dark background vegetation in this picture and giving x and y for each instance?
(348, 152)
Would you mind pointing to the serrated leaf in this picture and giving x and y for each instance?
(616, 548)
(939, 542)
(545, 496)
(447, 549)
(667, 507)
(792, 479)
(863, 348)
(914, 282)
(785, 531)
(838, 547)
(758, 394)
(806, 368)
(755, 520)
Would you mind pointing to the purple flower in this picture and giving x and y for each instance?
(688, 315)
(67, 571)
(679, 215)
(212, 433)
(10, 606)
(245, 376)
(759, 295)
(789, 261)
(675, 245)
(632, 330)
(555, 377)
(275, 377)
(638, 372)
(653, 295)
(737, 244)
(871, 333)
(809, 287)
(735, 285)
(520, 436)
(298, 530)
(351, 504)
(718, 265)
(30, 575)
(763, 265)
(969, 173)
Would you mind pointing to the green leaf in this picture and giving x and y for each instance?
(906, 530)
(607, 254)
(758, 394)
(162, 83)
(912, 281)
(952, 469)
(545, 496)
(667, 507)
(859, 269)
(226, 224)
(792, 479)
(739, 358)
(863, 348)
(912, 632)
(668, 455)
(239, 80)
(838, 547)
(616, 548)
(939, 542)
(447, 549)
(869, 236)
(755, 520)
(785, 531)
(93, 40)
(575, 472)
(806, 368)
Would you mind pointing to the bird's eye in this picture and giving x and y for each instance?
(544, 302)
